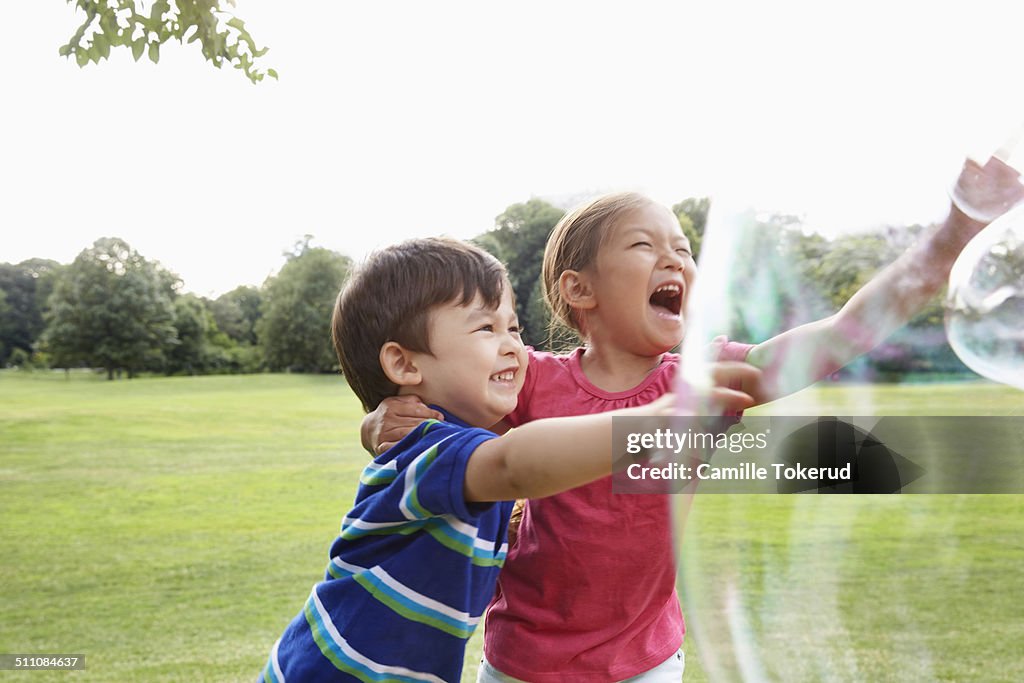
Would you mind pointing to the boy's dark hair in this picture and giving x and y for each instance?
(389, 297)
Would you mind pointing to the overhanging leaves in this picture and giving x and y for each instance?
(109, 24)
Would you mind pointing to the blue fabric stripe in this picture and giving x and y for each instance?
(338, 572)
(441, 525)
(349, 665)
(460, 626)
(377, 476)
(411, 497)
(268, 672)
(352, 532)
(464, 542)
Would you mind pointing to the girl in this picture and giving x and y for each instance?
(618, 271)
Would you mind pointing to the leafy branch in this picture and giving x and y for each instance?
(125, 23)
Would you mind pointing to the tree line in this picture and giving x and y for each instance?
(114, 309)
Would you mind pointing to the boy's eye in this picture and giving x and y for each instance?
(485, 328)
(515, 329)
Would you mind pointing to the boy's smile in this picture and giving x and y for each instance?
(477, 363)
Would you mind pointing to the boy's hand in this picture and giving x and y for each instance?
(984, 193)
(395, 417)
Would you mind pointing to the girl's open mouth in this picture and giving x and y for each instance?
(668, 298)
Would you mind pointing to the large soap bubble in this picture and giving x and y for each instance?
(985, 317)
(844, 587)
(761, 577)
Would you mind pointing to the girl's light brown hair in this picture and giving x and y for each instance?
(573, 245)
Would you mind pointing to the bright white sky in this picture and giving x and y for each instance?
(404, 118)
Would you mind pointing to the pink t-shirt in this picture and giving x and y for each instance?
(587, 593)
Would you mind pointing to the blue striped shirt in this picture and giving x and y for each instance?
(410, 574)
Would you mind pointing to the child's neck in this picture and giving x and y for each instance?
(613, 369)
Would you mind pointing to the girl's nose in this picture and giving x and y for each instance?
(673, 259)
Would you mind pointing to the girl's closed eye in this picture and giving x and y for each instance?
(640, 244)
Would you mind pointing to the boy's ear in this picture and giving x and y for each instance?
(575, 289)
(399, 364)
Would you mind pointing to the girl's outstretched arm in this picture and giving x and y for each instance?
(548, 456)
(805, 354)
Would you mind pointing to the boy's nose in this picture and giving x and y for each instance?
(510, 343)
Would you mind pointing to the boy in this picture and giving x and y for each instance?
(418, 556)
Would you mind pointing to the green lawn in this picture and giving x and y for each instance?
(169, 528)
(858, 588)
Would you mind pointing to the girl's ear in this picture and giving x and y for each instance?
(399, 364)
(574, 288)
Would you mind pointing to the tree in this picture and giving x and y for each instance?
(25, 288)
(850, 262)
(920, 346)
(295, 327)
(692, 214)
(518, 240)
(111, 308)
(768, 291)
(236, 313)
(824, 275)
(5, 312)
(199, 346)
(124, 23)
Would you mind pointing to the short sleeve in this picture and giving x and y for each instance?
(723, 349)
(424, 478)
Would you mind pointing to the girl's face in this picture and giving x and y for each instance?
(640, 280)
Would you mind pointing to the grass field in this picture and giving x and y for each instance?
(169, 528)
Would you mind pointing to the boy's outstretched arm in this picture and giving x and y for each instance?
(805, 354)
(547, 456)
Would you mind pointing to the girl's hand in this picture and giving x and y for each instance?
(984, 193)
(733, 383)
(395, 417)
(737, 386)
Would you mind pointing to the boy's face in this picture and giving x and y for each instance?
(643, 274)
(477, 362)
